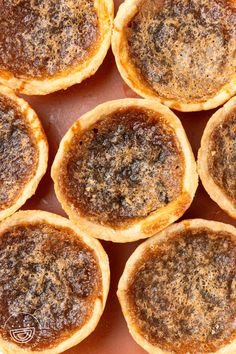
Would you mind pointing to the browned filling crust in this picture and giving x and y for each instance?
(125, 166)
(18, 152)
(41, 38)
(48, 273)
(222, 156)
(184, 49)
(183, 293)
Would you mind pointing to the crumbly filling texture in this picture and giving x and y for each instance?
(18, 152)
(183, 49)
(124, 167)
(41, 38)
(182, 296)
(49, 274)
(222, 156)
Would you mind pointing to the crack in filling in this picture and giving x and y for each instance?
(222, 156)
(41, 38)
(185, 49)
(124, 167)
(18, 153)
(183, 293)
(48, 273)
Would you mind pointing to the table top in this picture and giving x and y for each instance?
(58, 111)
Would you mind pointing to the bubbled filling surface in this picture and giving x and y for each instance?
(124, 167)
(41, 38)
(183, 49)
(222, 155)
(18, 152)
(49, 280)
(182, 295)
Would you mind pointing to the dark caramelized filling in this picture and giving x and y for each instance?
(42, 38)
(49, 274)
(18, 152)
(125, 166)
(183, 293)
(184, 49)
(222, 156)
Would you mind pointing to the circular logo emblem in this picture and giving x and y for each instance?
(22, 328)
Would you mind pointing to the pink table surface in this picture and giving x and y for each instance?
(57, 112)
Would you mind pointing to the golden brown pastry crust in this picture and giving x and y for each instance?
(140, 252)
(155, 221)
(74, 74)
(39, 170)
(28, 217)
(214, 190)
(128, 71)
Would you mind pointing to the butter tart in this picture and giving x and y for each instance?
(180, 52)
(23, 152)
(125, 170)
(217, 157)
(54, 282)
(50, 45)
(178, 290)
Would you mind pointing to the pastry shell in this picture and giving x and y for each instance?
(39, 170)
(156, 220)
(36, 216)
(74, 74)
(126, 12)
(215, 192)
(130, 268)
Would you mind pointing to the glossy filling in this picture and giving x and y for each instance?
(18, 153)
(222, 156)
(42, 38)
(124, 167)
(183, 293)
(48, 273)
(184, 49)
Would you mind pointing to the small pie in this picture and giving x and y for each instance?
(125, 170)
(178, 290)
(217, 157)
(50, 45)
(180, 52)
(23, 152)
(54, 282)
